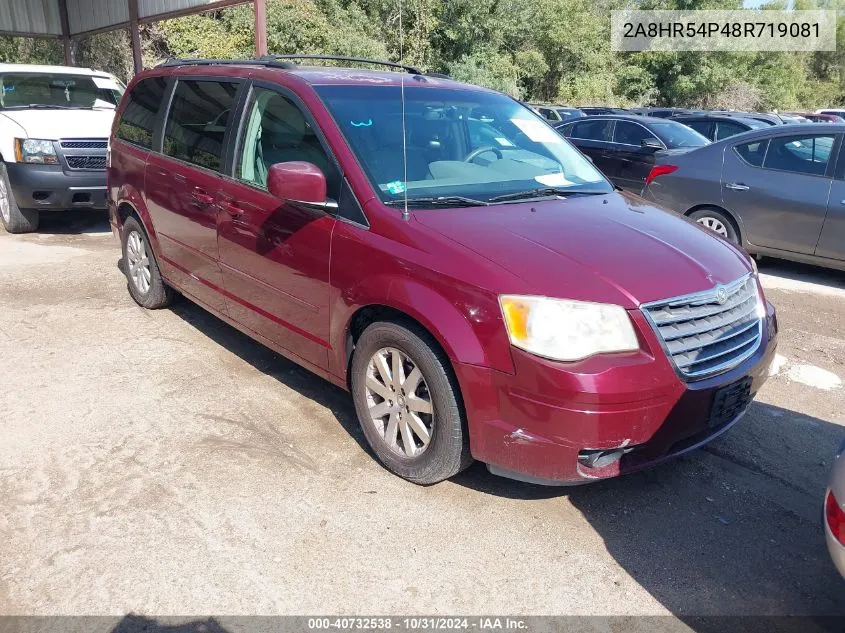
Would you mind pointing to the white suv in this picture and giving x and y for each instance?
(54, 127)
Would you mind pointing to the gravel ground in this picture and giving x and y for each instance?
(162, 463)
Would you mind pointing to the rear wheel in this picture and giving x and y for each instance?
(408, 403)
(144, 280)
(718, 222)
(15, 219)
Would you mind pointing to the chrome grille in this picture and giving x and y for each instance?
(87, 143)
(709, 332)
(86, 162)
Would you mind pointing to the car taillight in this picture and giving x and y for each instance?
(659, 170)
(835, 517)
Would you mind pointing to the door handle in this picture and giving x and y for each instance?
(201, 198)
(737, 186)
(232, 209)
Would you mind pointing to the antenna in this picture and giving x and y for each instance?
(404, 136)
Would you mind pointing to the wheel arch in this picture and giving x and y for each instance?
(737, 224)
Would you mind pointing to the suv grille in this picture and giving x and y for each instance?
(86, 162)
(709, 332)
(85, 144)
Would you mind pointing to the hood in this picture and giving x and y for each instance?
(56, 124)
(613, 248)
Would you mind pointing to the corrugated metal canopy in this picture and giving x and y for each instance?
(44, 17)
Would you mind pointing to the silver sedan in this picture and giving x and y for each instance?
(834, 512)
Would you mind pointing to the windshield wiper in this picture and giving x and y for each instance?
(38, 106)
(440, 201)
(544, 192)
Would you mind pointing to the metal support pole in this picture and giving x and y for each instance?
(67, 43)
(260, 27)
(134, 36)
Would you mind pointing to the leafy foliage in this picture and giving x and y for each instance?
(539, 50)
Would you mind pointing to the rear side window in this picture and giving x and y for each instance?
(800, 154)
(753, 152)
(702, 127)
(592, 130)
(629, 133)
(139, 116)
(199, 115)
(724, 129)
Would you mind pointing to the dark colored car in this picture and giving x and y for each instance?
(715, 127)
(624, 146)
(557, 114)
(660, 113)
(490, 296)
(777, 191)
(768, 119)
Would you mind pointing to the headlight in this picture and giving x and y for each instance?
(33, 150)
(567, 330)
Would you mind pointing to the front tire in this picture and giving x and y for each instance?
(14, 219)
(144, 280)
(718, 222)
(408, 403)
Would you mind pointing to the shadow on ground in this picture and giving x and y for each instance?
(732, 529)
(794, 271)
(74, 222)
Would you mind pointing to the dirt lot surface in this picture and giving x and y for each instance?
(162, 463)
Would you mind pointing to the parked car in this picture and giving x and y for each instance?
(595, 110)
(715, 127)
(557, 114)
(834, 512)
(491, 297)
(624, 146)
(768, 119)
(776, 191)
(54, 127)
(790, 119)
(821, 118)
(836, 111)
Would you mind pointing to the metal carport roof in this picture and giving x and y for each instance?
(67, 19)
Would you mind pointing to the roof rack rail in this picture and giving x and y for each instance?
(257, 61)
(341, 58)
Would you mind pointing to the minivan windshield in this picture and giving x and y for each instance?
(60, 91)
(463, 147)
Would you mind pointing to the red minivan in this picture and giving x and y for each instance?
(442, 253)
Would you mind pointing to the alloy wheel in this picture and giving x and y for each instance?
(399, 402)
(714, 224)
(5, 208)
(138, 262)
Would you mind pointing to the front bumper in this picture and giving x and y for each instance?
(533, 425)
(53, 187)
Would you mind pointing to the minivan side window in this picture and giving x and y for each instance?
(276, 131)
(702, 127)
(753, 152)
(724, 129)
(199, 115)
(800, 154)
(593, 130)
(138, 119)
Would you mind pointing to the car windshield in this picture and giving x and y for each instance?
(46, 90)
(675, 134)
(462, 146)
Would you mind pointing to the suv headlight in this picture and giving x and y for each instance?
(566, 330)
(34, 150)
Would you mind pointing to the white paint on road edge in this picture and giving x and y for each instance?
(805, 374)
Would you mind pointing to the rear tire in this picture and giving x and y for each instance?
(717, 221)
(14, 219)
(144, 281)
(397, 415)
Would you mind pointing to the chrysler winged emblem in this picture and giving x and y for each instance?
(721, 295)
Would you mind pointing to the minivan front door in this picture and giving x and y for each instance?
(782, 202)
(275, 256)
(182, 185)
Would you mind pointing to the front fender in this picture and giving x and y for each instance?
(465, 322)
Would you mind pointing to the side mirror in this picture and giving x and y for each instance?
(651, 143)
(301, 184)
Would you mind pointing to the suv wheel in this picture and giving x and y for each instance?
(15, 219)
(145, 282)
(408, 403)
(718, 222)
